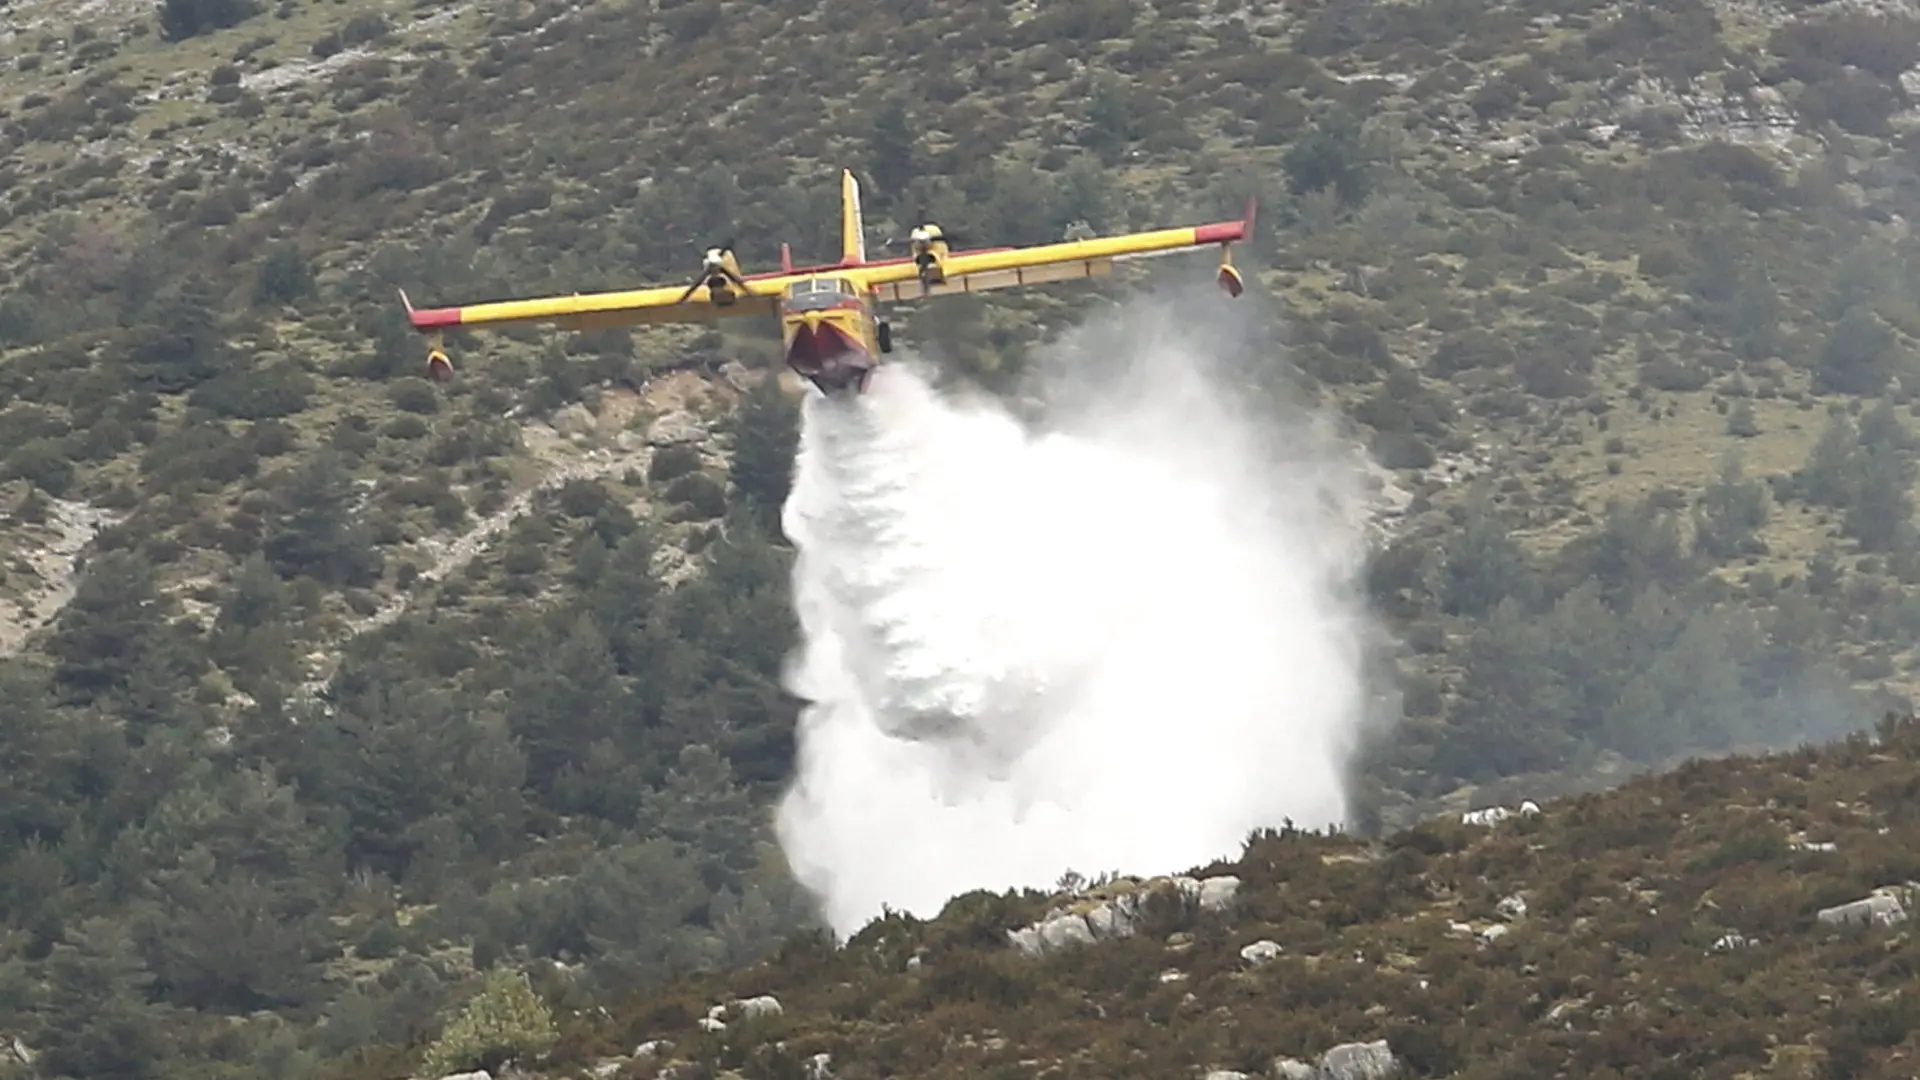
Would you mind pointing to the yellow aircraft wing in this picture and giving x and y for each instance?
(656, 304)
(598, 311)
(1070, 260)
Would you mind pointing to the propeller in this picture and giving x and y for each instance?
(712, 263)
(925, 232)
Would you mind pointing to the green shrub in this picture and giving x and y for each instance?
(506, 1021)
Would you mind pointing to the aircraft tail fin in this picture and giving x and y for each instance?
(853, 229)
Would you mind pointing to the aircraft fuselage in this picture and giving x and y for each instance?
(832, 336)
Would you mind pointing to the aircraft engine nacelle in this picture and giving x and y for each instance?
(720, 290)
(929, 253)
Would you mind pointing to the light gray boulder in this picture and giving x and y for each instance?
(1358, 1061)
(1885, 906)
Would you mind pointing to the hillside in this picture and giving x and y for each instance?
(1739, 918)
(403, 679)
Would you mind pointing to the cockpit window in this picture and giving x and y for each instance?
(821, 286)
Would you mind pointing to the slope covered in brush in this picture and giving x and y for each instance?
(1704, 923)
(332, 673)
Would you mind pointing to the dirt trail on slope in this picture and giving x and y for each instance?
(673, 399)
(51, 552)
(41, 575)
(452, 555)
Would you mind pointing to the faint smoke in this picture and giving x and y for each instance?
(1119, 645)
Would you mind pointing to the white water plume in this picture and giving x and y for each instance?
(1117, 646)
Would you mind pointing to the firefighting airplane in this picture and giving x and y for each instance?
(827, 313)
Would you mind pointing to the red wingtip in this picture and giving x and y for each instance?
(433, 318)
(1227, 232)
(1246, 221)
(429, 318)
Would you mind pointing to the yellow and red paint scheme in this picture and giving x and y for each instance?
(828, 318)
(832, 337)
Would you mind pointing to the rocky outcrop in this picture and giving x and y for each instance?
(1260, 952)
(1493, 815)
(676, 429)
(48, 546)
(720, 1015)
(1117, 910)
(1348, 1061)
(1885, 906)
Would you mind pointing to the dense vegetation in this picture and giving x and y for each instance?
(1670, 928)
(259, 818)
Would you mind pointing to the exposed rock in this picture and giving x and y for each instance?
(738, 1009)
(820, 1067)
(1732, 940)
(1761, 118)
(1347, 1061)
(1260, 952)
(1512, 147)
(1512, 908)
(1218, 894)
(652, 1048)
(1114, 911)
(17, 1051)
(675, 429)
(1026, 939)
(1358, 1061)
(1110, 921)
(1064, 930)
(53, 554)
(1885, 906)
(1493, 815)
(764, 1005)
(573, 421)
(1559, 1013)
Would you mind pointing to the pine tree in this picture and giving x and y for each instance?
(506, 1021)
(1727, 520)
(891, 148)
(766, 435)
